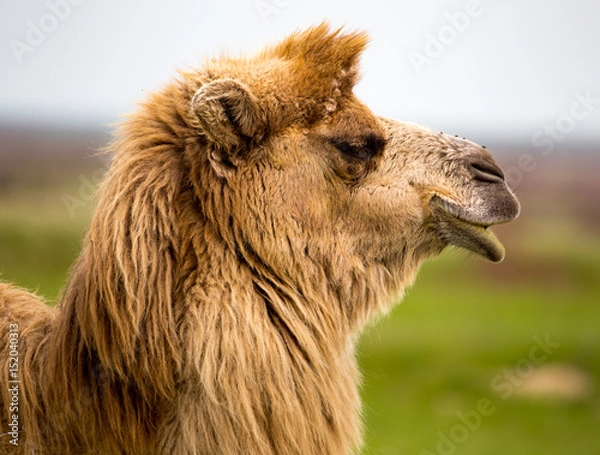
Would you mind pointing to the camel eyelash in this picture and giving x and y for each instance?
(366, 148)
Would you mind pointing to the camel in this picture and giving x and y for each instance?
(256, 215)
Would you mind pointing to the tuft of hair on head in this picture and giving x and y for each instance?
(320, 53)
(320, 44)
(322, 67)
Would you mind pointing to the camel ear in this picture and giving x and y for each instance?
(229, 116)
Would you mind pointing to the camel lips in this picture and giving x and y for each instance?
(465, 234)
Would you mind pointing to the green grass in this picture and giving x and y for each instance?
(39, 239)
(463, 323)
(439, 351)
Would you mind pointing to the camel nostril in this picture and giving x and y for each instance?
(486, 172)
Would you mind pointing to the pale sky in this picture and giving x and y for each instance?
(509, 69)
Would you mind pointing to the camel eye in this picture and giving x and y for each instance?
(363, 148)
(352, 151)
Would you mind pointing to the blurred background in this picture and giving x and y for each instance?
(479, 358)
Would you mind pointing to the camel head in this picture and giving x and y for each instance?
(454, 186)
(305, 168)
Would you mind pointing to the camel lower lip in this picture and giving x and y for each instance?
(457, 231)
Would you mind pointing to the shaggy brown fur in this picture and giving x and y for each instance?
(256, 215)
